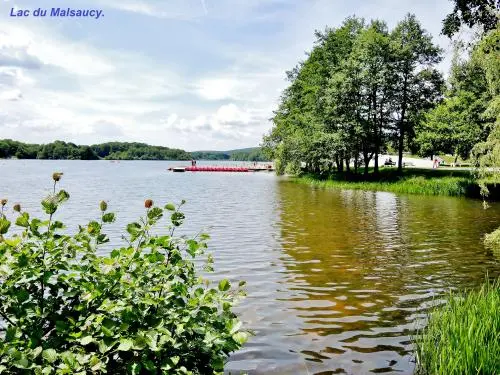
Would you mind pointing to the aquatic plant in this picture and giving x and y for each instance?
(417, 182)
(462, 336)
(141, 309)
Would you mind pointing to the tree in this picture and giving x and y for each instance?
(482, 13)
(457, 124)
(417, 84)
(359, 87)
(302, 118)
(448, 128)
(487, 153)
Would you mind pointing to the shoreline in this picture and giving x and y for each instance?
(451, 183)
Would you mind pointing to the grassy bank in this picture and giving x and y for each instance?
(463, 336)
(413, 181)
(492, 242)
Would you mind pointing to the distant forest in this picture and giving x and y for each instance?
(117, 151)
(244, 154)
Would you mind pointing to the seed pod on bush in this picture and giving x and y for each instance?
(3, 202)
(103, 206)
(17, 207)
(148, 203)
(56, 176)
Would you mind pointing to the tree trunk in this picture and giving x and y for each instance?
(340, 164)
(402, 127)
(400, 148)
(367, 162)
(347, 166)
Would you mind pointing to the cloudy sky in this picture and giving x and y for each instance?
(193, 74)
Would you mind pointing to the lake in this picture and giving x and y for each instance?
(337, 280)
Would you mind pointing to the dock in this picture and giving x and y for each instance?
(219, 168)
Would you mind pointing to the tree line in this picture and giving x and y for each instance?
(365, 89)
(118, 151)
(246, 154)
(71, 151)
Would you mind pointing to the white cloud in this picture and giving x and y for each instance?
(183, 73)
(11, 95)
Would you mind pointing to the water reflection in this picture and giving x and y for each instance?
(362, 267)
(336, 279)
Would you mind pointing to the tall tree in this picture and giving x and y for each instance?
(457, 124)
(414, 56)
(482, 13)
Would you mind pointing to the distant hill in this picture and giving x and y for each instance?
(111, 150)
(241, 154)
(119, 151)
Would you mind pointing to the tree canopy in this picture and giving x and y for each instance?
(362, 88)
(482, 13)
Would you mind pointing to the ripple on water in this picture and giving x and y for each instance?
(337, 280)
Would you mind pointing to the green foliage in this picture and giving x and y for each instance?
(361, 87)
(462, 337)
(492, 241)
(461, 121)
(244, 154)
(487, 153)
(138, 151)
(449, 127)
(112, 150)
(470, 13)
(141, 309)
(414, 181)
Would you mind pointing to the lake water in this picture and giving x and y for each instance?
(337, 280)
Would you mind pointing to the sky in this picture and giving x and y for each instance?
(190, 74)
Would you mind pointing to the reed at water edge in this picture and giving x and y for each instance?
(463, 335)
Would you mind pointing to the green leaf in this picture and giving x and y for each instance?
(217, 364)
(109, 217)
(23, 220)
(104, 346)
(224, 285)
(62, 196)
(134, 229)
(13, 242)
(155, 213)
(37, 351)
(57, 225)
(135, 368)
(235, 326)
(170, 207)
(149, 365)
(4, 225)
(86, 340)
(240, 337)
(49, 205)
(125, 344)
(50, 355)
(94, 228)
(22, 362)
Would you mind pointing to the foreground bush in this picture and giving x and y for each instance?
(142, 309)
(463, 336)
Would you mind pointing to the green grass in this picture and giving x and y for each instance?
(463, 336)
(492, 242)
(413, 181)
